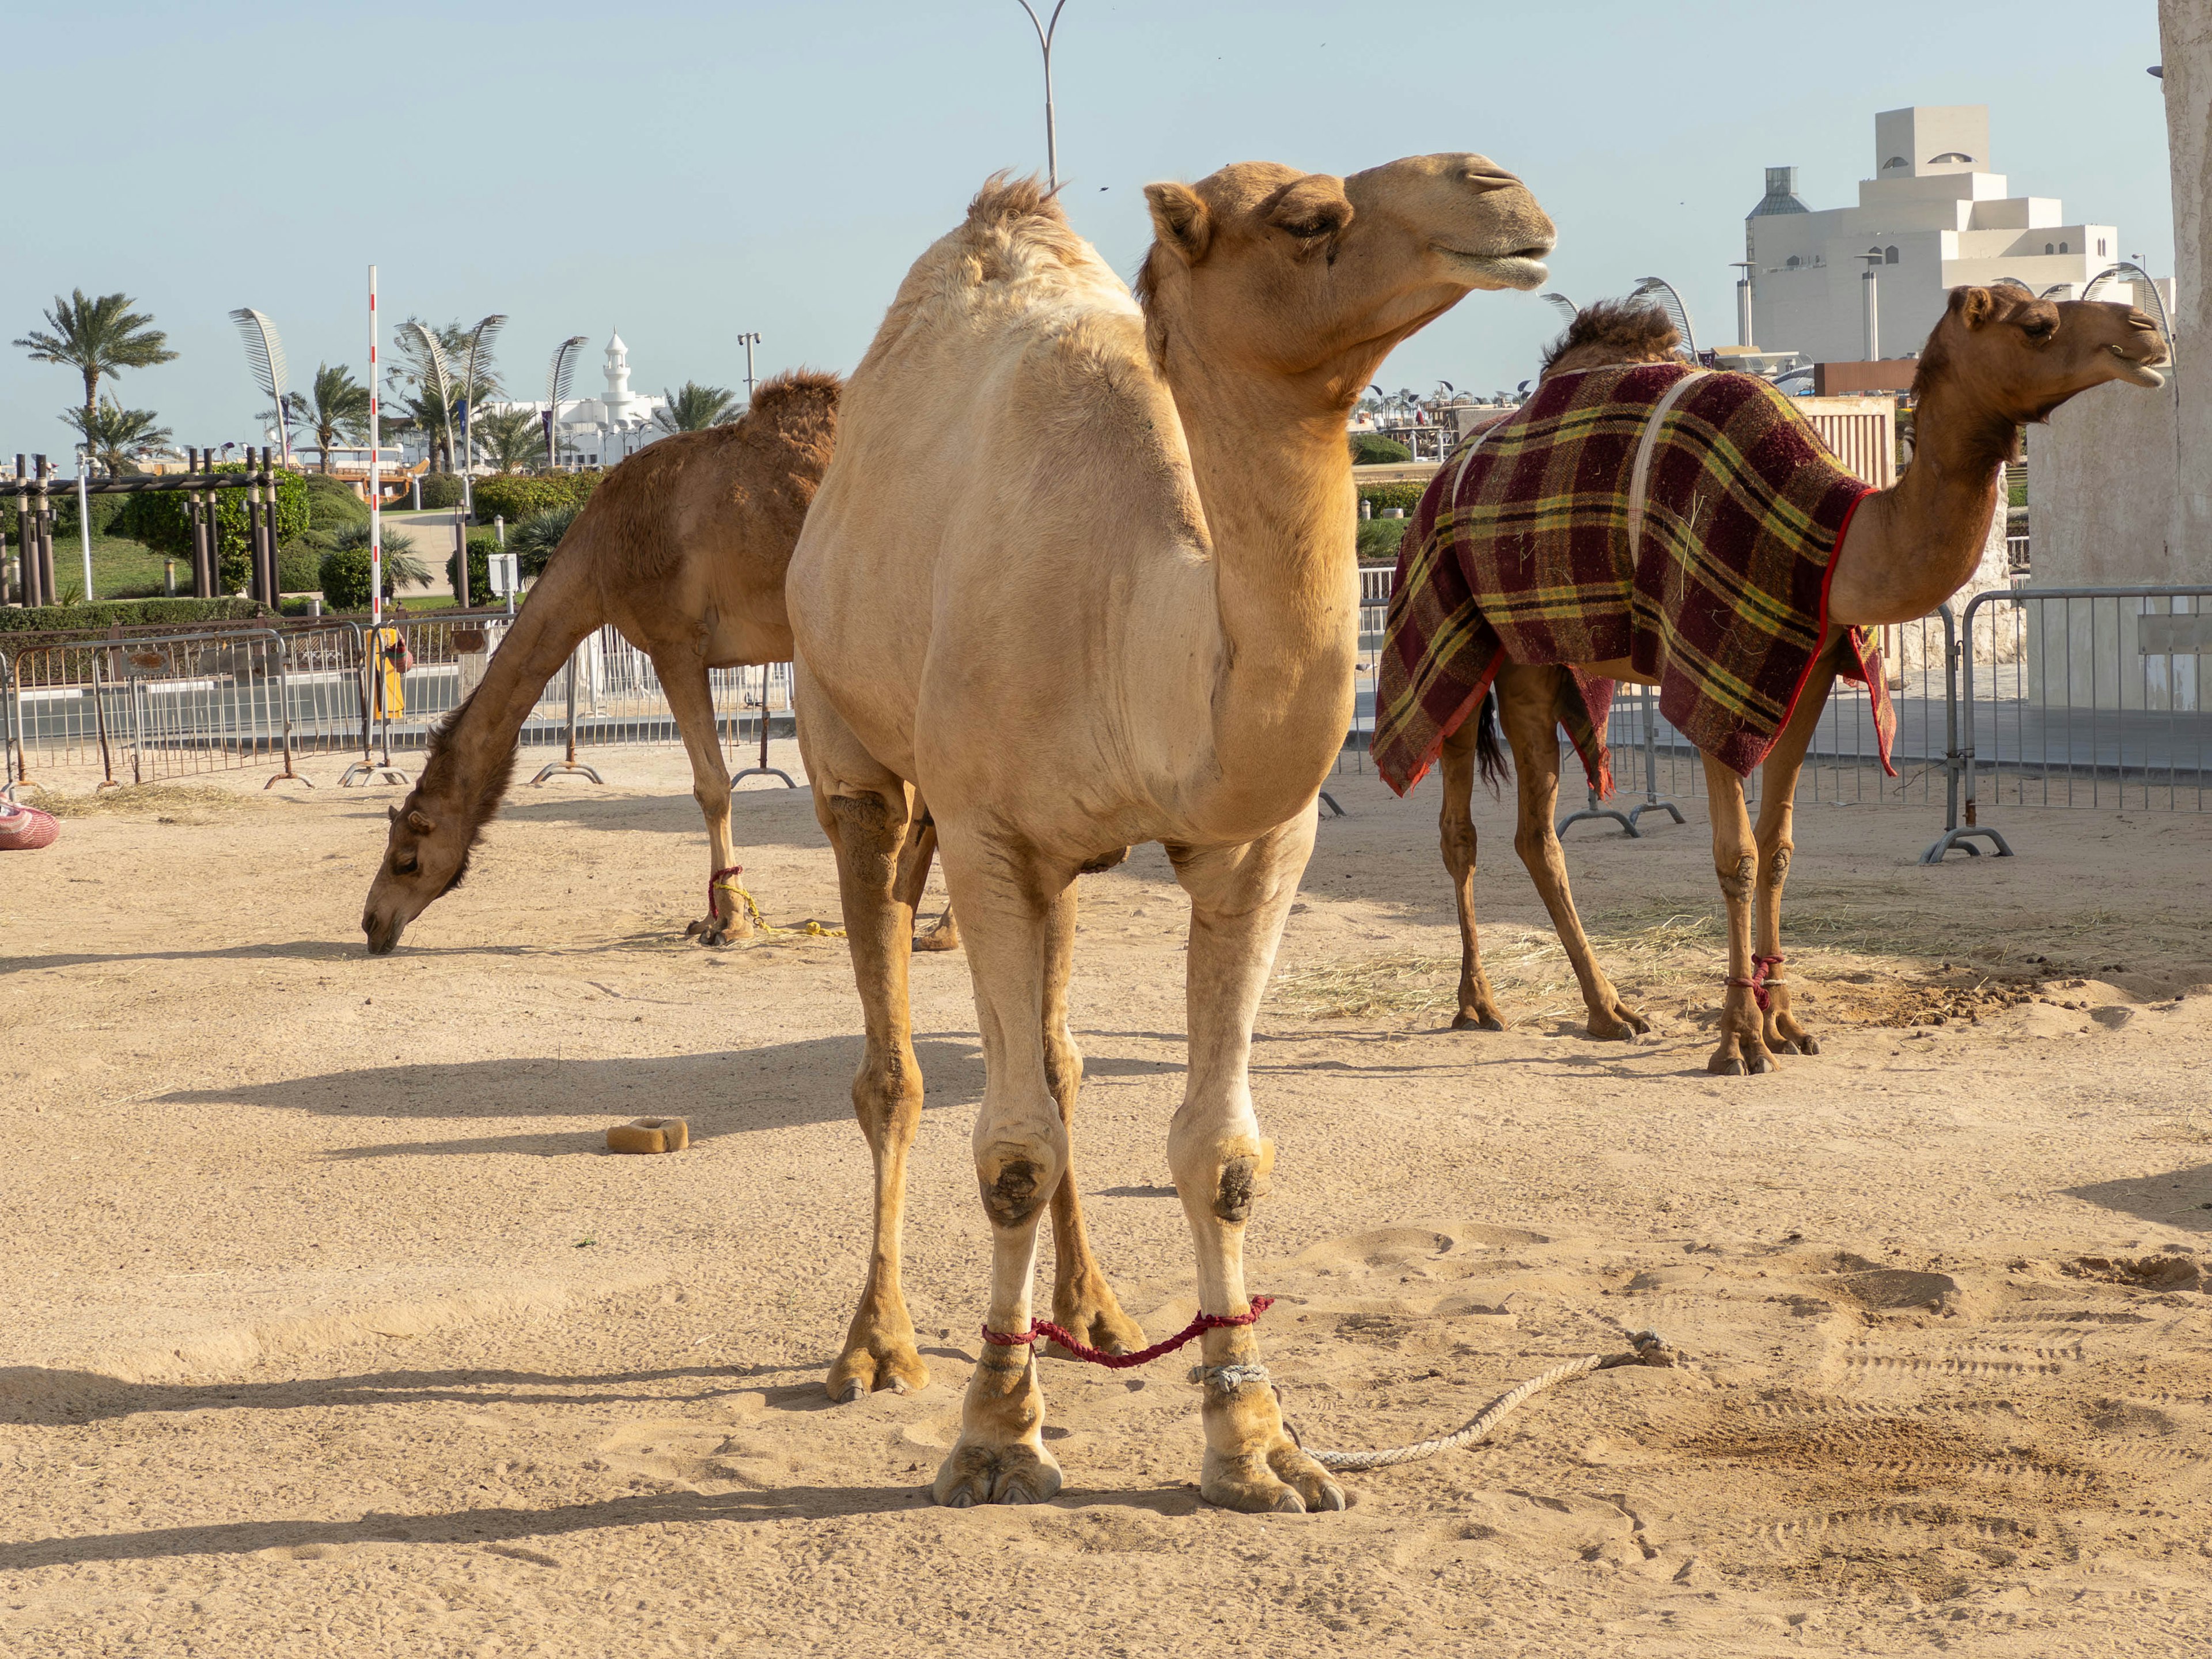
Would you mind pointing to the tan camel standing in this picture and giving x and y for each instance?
(1997, 359)
(683, 547)
(1083, 575)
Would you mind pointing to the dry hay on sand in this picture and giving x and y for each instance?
(165, 802)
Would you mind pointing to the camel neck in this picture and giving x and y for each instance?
(1273, 476)
(1916, 543)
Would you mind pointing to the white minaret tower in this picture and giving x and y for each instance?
(618, 399)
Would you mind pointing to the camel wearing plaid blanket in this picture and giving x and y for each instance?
(1997, 359)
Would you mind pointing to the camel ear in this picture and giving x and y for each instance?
(1315, 207)
(1975, 305)
(420, 824)
(392, 813)
(1179, 220)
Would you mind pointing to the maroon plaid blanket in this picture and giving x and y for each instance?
(1521, 550)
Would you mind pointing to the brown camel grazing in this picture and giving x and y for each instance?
(1083, 574)
(684, 548)
(1998, 358)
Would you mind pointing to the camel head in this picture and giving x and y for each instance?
(426, 852)
(1261, 269)
(2020, 357)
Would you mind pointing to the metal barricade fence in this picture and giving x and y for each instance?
(2087, 697)
(386, 686)
(11, 735)
(149, 708)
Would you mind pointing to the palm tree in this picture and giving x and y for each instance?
(508, 438)
(118, 436)
(96, 337)
(695, 408)
(337, 408)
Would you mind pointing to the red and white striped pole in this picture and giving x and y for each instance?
(375, 472)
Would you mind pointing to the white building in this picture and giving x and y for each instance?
(1933, 218)
(602, 430)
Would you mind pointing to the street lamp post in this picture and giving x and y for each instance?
(1871, 295)
(749, 341)
(1045, 31)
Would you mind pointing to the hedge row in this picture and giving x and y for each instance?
(131, 613)
(1408, 496)
(164, 523)
(515, 496)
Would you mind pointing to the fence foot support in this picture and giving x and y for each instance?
(1959, 838)
(366, 773)
(552, 767)
(286, 777)
(762, 772)
(1329, 801)
(1666, 806)
(1626, 823)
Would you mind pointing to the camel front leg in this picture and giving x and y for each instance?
(1083, 1302)
(1529, 705)
(913, 878)
(1007, 898)
(691, 702)
(1735, 861)
(1477, 1008)
(1777, 812)
(1239, 899)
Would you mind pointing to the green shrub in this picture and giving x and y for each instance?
(532, 539)
(1379, 539)
(331, 503)
(1372, 449)
(1379, 495)
(441, 490)
(164, 523)
(129, 613)
(481, 548)
(345, 570)
(104, 511)
(515, 497)
(299, 568)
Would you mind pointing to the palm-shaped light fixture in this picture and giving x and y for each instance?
(1659, 288)
(264, 356)
(559, 376)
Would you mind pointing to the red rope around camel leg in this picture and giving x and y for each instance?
(1122, 1362)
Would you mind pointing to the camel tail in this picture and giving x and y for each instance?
(474, 747)
(1490, 756)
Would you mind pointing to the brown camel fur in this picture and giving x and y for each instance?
(1083, 576)
(683, 547)
(1998, 358)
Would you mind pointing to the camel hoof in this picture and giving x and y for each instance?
(1477, 1021)
(1091, 1315)
(713, 931)
(863, 1369)
(983, 1474)
(942, 935)
(1724, 1066)
(1260, 1493)
(1806, 1044)
(848, 1393)
(1315, 1490)
(1757, 1062)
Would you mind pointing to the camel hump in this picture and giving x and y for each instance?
(1613, 331)
(1004, 200)
(793, 389)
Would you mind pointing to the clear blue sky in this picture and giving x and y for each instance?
(690, 171)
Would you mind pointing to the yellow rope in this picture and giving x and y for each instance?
(761, 923)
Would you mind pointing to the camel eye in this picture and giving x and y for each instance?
(2038, 328)
(403, 864)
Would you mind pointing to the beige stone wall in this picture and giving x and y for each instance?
(2100, 493)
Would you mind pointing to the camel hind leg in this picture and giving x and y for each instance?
(1529, 701)
(913, 878)
(1477, 1008)
(691, 703)
(862, 808)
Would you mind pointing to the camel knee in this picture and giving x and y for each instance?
(1017, 1176)
(867, 827)
(1777, 865)
(1737, 879)
(1224, 1179)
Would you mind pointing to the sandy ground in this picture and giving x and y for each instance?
(328, 1328)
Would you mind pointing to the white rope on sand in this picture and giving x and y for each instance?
(1648, 1350)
